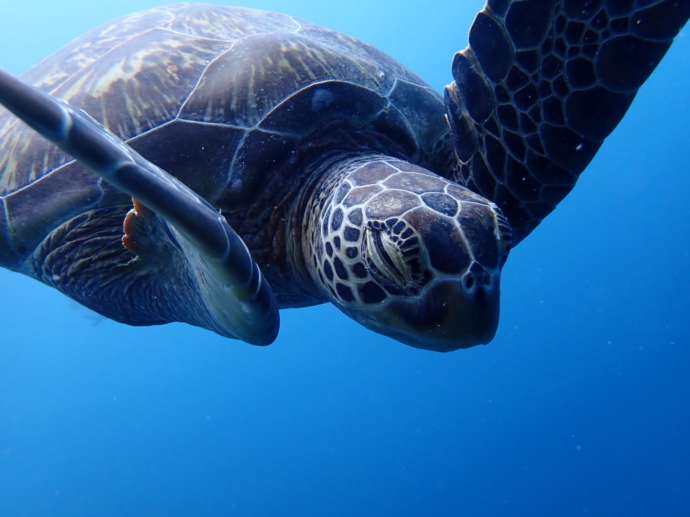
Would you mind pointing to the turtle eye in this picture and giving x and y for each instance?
(387, 262)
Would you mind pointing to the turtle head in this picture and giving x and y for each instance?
(409, 254)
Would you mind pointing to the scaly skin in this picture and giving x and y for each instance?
(405, 252)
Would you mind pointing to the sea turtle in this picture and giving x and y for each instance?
(181, 133)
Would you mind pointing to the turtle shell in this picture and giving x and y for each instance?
(219, 97)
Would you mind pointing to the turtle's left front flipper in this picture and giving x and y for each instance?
(541, 86)
(239, 300)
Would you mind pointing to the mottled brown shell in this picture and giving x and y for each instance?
(217, 96)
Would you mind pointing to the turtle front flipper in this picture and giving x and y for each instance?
(541, 86)
(238, 298)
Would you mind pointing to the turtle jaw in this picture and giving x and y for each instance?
(449, 315)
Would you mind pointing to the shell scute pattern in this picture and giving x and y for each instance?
(19, 142)
(132, 75)
(320, 103)
(391, 71)
(261, 72)
(93, 46)
(143, 82)
(200, 158)
(269, 81)
(296, 87)
(227, 23)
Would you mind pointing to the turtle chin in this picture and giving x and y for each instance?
(447, 316)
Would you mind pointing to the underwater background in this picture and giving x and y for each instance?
(581, 406)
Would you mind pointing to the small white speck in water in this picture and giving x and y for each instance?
(579, 147)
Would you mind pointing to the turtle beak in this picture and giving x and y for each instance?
(451, 315)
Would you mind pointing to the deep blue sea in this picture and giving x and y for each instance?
(581, 406)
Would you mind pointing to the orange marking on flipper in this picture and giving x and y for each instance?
(133, 222)
(139, 209)
(127, 228)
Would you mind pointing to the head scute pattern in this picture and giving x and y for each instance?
(384, 231)
(376, 211)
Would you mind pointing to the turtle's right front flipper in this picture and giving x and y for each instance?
(238, 298)
(541, 86)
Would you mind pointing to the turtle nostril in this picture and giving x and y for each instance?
(477, 276)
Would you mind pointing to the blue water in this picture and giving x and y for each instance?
(579, 407)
